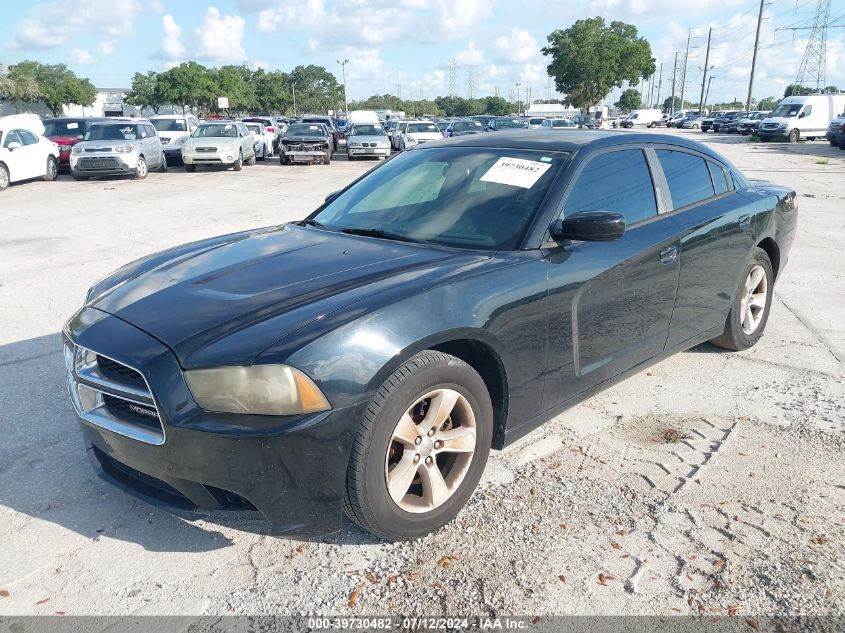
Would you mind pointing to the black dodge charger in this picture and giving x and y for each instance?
(365, 360)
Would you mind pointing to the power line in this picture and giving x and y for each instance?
(813, 64)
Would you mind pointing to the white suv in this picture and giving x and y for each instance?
(173, 129)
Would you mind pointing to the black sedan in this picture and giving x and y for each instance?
(462, 128)
(366, 359)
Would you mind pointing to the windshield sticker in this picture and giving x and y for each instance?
(313, 127)
(72, 126)
(515, 172)
(546, 159)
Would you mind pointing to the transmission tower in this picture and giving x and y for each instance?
(812, 66)
(470, 80)
(453, 77)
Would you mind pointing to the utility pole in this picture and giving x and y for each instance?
(674, 74)
(660, 85)
(293, 87)
(399, 90)
(684, 75)
(518, 97)
(754, 57)
(812, 67)
(345, 99)
(704, 76)
(707, 93)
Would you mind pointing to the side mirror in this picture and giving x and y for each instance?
(801, 116)
(589, 226)
(332, 196)
(13, 145)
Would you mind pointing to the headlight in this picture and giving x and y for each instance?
(124, 149)
(187, 149)
(356, 145)
(260, 390)
(181, 140)
(76, 149)
(782, 126)
(383, 145)
(227, 148)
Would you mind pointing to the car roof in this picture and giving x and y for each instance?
(170, 116)
(553, 141)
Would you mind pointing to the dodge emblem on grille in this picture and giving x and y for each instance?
(134, 408)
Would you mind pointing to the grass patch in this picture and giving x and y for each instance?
(822, 161)
(753, 139)
(673, 436)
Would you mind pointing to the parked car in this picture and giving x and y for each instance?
(807, 117)
(306, 143)
(749, 123)
(223, 143)
(366, 359)
(337, 135)
(271, 128)
(262, 142)
(534, 122)
(558, 124)
(24, 151)
(835, 134)
(128, 147)
(720, 120)
(367, 140)
(677, 119)
(413, 133)
(504, 123)
(642, 117)
(173, 130)
(692, 123)
(586, 122)
(484, 119)
(67, 132)
(460, 128)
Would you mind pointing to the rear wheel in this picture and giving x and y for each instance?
(4, 177)
(750, 311)
(251, 160)
(420, 449)
(794, 136)
(52, 171)
(141, 169)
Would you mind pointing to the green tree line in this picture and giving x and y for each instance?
(55, 85)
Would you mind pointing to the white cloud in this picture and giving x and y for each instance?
(460, 17)
(157, 7)
(81, 56)
(106, 47)
(172, 42)
(221, 37)
(470, 55)
(646, 8)
(517, 46)
(52, 24)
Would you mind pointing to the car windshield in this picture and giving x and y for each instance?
(535, 121)
(562, 123)
(480, 198)
(112, 132)
(416, 128)
(305, 129)
(367, 130)
(216, 130)
(170, 125)
(787, 110)
(324, 121)
(65, 128)
(254, 128)
(507, 123)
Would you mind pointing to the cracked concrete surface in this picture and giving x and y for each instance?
(595, 512)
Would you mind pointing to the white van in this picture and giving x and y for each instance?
(362, 116)
(649, 118)
(807, 117)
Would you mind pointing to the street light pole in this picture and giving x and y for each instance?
(518, 98)
(345, 100)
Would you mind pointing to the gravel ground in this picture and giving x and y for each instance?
(711, 483)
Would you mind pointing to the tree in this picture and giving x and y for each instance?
(629, 100)
(235, 83)
(795, 90)
(768, 103)
(317, 90)
(496, 106)
(56, 85)
(589, 59)
(272, 91)
(145, 91)
(188, 84)
(668, 102)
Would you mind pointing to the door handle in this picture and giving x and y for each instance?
(668, 254)
(744, 222)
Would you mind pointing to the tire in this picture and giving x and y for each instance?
(842, 145)
(369, 502)
(283, 159)
(832, 143)
(163, 167)
(253, 159)
(76, 175)
(239, 164)
(811, 138)
(190, 168)
(4, 177)
(740, 333)
(263, 156)
(328, 159)
(141, 170)
(794, 136)
(350, 157)
(52, 171)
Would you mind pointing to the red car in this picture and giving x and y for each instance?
(67, 132)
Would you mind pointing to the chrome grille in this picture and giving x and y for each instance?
(98, 163)
(206, 149)
(112, 395)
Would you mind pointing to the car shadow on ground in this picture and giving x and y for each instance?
(46, 474)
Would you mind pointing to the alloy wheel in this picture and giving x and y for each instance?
(753, 303)
(4, 177)
(430, 451)
(142, 168)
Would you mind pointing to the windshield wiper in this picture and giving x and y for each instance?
(311, 223)
(387, 235)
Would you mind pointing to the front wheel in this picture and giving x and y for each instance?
(750, 311)
(794, 136)
(163, 166)
(190, 168)
(239, 164)
(141, 168)
(420, 449)
(4, 177)
(52, 171)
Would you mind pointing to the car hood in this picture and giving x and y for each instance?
(232, 297)
(777, 119)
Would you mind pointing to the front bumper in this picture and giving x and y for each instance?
(209, 158)
(776, 133)
(368, 151)
(104, 164)
(305, 156)
(292, 469)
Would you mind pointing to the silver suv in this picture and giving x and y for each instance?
(123, 147)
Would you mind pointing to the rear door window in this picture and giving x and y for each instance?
(27, 137)
(720, 179)
(687, 175)
(616, 181)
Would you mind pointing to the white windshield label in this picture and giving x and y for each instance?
(72, 126)
(313, 127)
(516, 172)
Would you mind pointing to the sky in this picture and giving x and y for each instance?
(407, 45)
